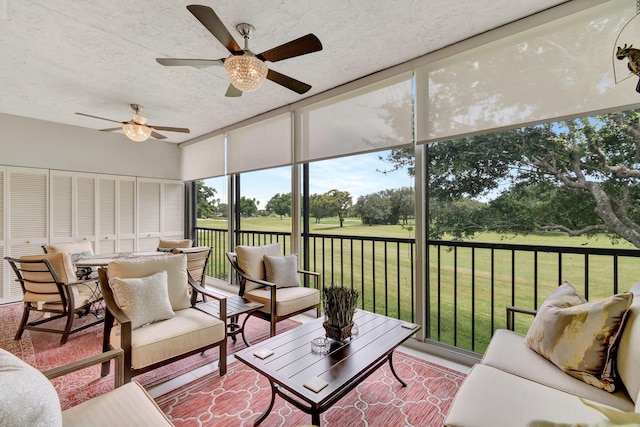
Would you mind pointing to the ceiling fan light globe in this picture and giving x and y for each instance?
(136, 132)
(246, 72)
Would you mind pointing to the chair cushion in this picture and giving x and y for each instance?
(47, 292)
(282, 270)
(188, 330)
(490, 397)
(172, 244)
(27, 397)
(629, 348)
(174, 265)
(129, 404)
(288, 300)
(251, 262)
(508, 352)
(143, 299)
(77, 250)
(580, 338)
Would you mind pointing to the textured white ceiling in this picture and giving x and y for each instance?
(98, 56)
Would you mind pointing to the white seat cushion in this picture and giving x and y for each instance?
(628, 355)
(250, 261)
(508, 352)
(127, 405)
(188, 330)
(493, 398)
(288, 300)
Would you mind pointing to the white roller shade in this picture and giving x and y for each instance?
(556, 70)
(375, 118)
(262, 145)
(204, 159)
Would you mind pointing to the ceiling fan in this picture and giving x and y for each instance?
(137, 128)
(247, 71)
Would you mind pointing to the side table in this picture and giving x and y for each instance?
(236, 306)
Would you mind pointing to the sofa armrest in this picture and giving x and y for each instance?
(511, 311)
(116, 354)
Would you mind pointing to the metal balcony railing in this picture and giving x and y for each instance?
(468, 284)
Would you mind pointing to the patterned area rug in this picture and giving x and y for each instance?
(239, 397)
(42, 350)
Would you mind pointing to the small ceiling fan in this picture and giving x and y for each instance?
(247, 71)
(137, 128)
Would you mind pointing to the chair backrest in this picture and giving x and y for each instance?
(174, 265)
(76, 250)
(42, 276)
(173, 244)
(250, 259)
(197, 260)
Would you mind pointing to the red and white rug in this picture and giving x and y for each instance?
(239, 397)
(43, 351)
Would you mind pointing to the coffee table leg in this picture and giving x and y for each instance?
(268, 411)
(390, 357)
(315, 418)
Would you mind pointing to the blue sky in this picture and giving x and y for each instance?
(356, 174)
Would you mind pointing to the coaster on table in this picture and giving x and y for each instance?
(316, 384)
(263, 353)
(251, 304)
(409, 325)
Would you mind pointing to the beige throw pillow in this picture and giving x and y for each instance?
(282, 270)
(250, 260)
(143, 299)
(580, 337)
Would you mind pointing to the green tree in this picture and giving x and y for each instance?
(206, 202)
(319, 207)
(280, 204)
(374, 208)
(402, 204)
(579, 176)
(248, 207)
(340, 202)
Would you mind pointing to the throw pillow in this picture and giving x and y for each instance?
(580, 337)
(143, 299)
(282, 270)
(28, 397)
(251, 262)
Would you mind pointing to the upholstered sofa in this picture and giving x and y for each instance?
(27, 398)
(515, 386)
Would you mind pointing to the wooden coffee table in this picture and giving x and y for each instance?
(346, 365)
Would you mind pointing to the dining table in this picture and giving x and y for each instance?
(102, 260)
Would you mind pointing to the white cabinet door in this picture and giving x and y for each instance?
(172, 210)
(107, 214)
(62, 212)
(4, 266)
(27, 215)
(85, 207)
(149, 209)
(126, 214)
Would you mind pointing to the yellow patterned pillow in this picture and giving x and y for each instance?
(580, 337)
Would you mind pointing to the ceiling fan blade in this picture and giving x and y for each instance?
(302, 46)
(156, 135)
(101, 118)
(170, 62)
(288, 82)
(233, 92)
(170, 129)
(210, 20)
(111, 129)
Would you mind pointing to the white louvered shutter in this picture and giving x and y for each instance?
(126, 214)
(85, 207)
(107, 213)
(61, 207)
(148, 214)
(173, 210)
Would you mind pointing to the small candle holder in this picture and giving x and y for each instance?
(320, 345)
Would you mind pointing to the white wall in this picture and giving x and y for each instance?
(36, 143)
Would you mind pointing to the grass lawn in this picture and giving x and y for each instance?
(464, 308)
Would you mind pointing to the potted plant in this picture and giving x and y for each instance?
(339, 306)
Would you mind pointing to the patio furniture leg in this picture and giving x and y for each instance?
(390, 357)
(268, 411)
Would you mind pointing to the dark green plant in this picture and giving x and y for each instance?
(339, 305)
